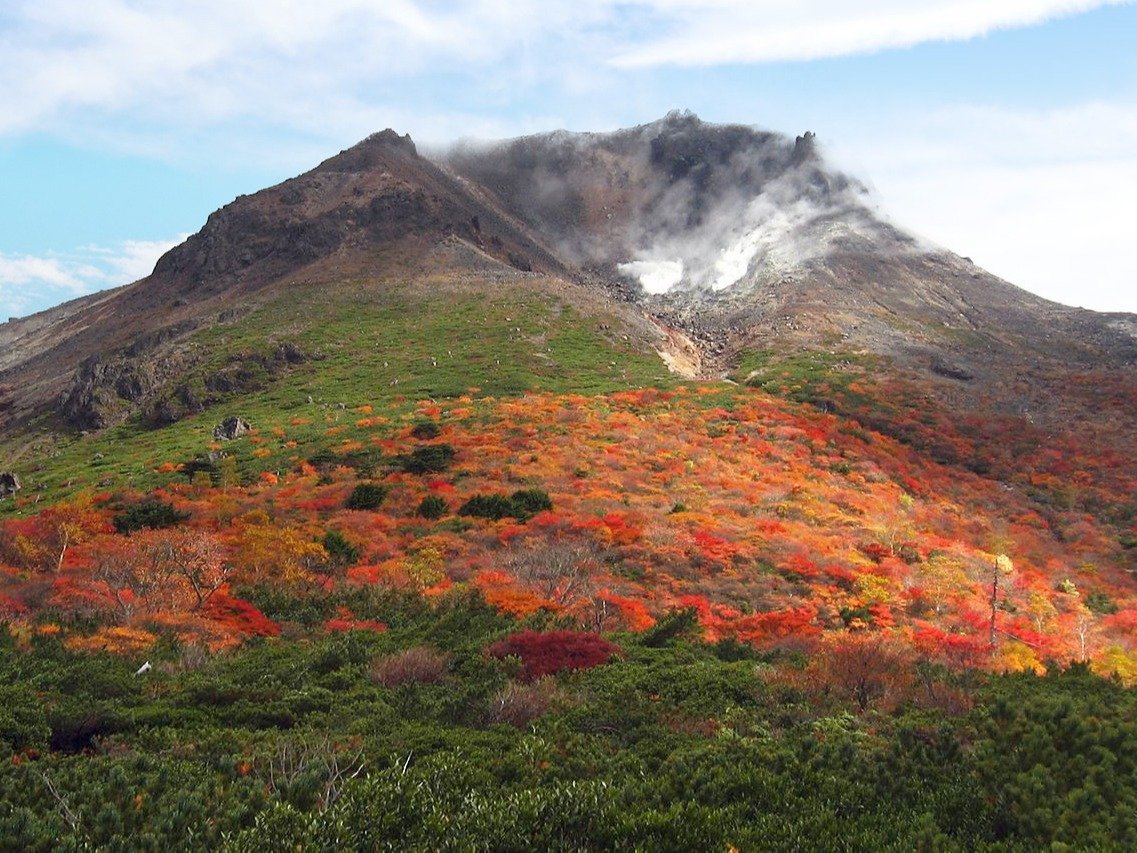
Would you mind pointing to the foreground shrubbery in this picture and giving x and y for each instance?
(423, 738)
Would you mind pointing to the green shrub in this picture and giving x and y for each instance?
(426, 430)
(522, 505)
(148, 513)
(200, 465)
(432, 507)
(528, 502)
(1101, 603)
(674, 624)
(366, 496)
(428, 460)
(23, 724)
(340, 551)
(494, 507)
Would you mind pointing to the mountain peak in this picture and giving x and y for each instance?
(737, 237)
(370, 153)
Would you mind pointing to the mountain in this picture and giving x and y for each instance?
(590, 264)
(578, 491)
(739, 239)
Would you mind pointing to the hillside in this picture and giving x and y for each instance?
(678, 392)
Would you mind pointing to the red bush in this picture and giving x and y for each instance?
(11, 607)
(554, 651)
(240, 615)
(345, 621)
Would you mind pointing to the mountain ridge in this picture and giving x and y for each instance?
(764, 244)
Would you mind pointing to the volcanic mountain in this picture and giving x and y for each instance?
(731, 253)
(646, 489)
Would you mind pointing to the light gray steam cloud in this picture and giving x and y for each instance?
(679, 204)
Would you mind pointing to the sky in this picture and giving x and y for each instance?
(1004, 130)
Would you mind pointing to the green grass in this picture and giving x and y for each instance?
(384, 346)
(808, 376)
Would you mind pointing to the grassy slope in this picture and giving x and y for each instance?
(363, 335)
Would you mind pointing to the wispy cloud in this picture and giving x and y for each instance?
(336, 66)
(292, 63)
(29, 282)
(695, 32)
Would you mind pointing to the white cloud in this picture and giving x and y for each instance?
(32, 283)
(293, 63)
(1043, 199)
(729, 31)
(336, 68)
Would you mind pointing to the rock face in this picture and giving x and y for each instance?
(102, 388)
(231, 428)
(379, 192)
(9, 483)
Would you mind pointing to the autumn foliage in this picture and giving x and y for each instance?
(778, 526)
(550, 652)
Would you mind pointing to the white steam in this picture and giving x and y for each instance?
(744, 241)
(680, 205)
(654, 276)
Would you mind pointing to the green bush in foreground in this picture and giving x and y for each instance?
(419, 739)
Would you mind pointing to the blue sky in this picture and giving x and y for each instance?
(1006, 131)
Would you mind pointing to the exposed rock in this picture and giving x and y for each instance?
(244, 373)
(108, 387)
(9, 483)
(951, 370)
(101, 389)
(230, 428)
(805, 148)
(249, 372)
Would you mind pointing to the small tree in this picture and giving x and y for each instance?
(367, 496)
(432, 507)
(148, 513)
(57, 529)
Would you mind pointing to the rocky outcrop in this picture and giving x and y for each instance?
(103, 389)
(374, 193)
(231, 428)
(108, 387)
(9, 484)
(805, 148)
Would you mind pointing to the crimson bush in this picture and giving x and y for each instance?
(549, 652)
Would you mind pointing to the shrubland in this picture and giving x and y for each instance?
(693, 616)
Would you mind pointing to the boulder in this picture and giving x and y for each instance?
(231, 428)
(9, 483)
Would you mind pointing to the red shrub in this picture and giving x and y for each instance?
(554, 651)
(240, 615)
(345, 621)
(11, 607)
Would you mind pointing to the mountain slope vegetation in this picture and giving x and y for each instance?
(440, 522)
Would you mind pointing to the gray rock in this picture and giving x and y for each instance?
(231, 428)
(9, 483)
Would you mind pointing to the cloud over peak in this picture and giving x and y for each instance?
(303, 65)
